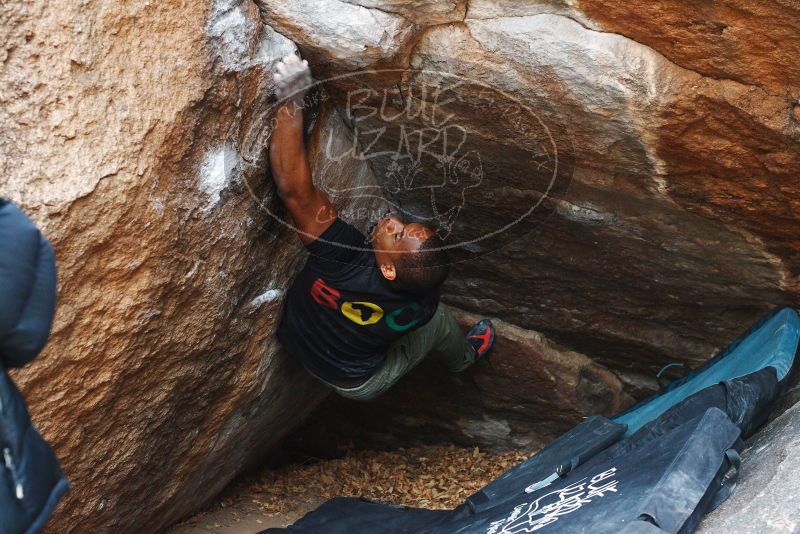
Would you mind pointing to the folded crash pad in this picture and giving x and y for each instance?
(661, 484)
(657, 467)
(772, 342)
(745, 401)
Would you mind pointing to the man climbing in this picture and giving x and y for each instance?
(363, 311)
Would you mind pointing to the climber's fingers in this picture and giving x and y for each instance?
(295, 61)
(281, 68)
(292, 77)
(290, 67)
(292, 62)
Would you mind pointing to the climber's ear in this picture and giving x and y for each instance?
(388, 271)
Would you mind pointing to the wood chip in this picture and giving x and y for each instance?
(431, 477)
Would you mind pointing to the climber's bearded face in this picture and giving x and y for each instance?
(391, 238)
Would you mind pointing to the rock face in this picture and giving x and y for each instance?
(620, 179)
(674, 223)
(765, 499)
(135, 134)
(526, 393)
(657, 147)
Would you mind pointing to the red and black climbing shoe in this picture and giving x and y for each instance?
(481, 337)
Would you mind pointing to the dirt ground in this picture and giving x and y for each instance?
(430, 477)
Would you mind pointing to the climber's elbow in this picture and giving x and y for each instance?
(286, 192)
(293, 190)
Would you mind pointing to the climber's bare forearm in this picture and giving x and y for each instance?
(288, 156)
(309, 207)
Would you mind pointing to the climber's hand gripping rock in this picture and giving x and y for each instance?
(292, 79)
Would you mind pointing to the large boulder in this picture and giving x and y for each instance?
(673, 223)
(135, 134)
(632, 198)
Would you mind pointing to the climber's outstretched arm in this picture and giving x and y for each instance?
(309, 207)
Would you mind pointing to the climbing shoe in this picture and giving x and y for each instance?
(481, 337)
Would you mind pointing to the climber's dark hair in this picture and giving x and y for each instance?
(423, 271)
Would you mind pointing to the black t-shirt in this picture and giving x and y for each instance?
(341, 314)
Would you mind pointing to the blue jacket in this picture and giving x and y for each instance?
(31, 481)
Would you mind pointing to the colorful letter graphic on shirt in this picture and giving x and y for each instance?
(362, 313)
(366, 313)
(391, 319)
(324, 294)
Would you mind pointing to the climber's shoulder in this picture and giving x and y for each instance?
(340, 242)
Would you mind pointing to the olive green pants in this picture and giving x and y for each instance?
(441, 337)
